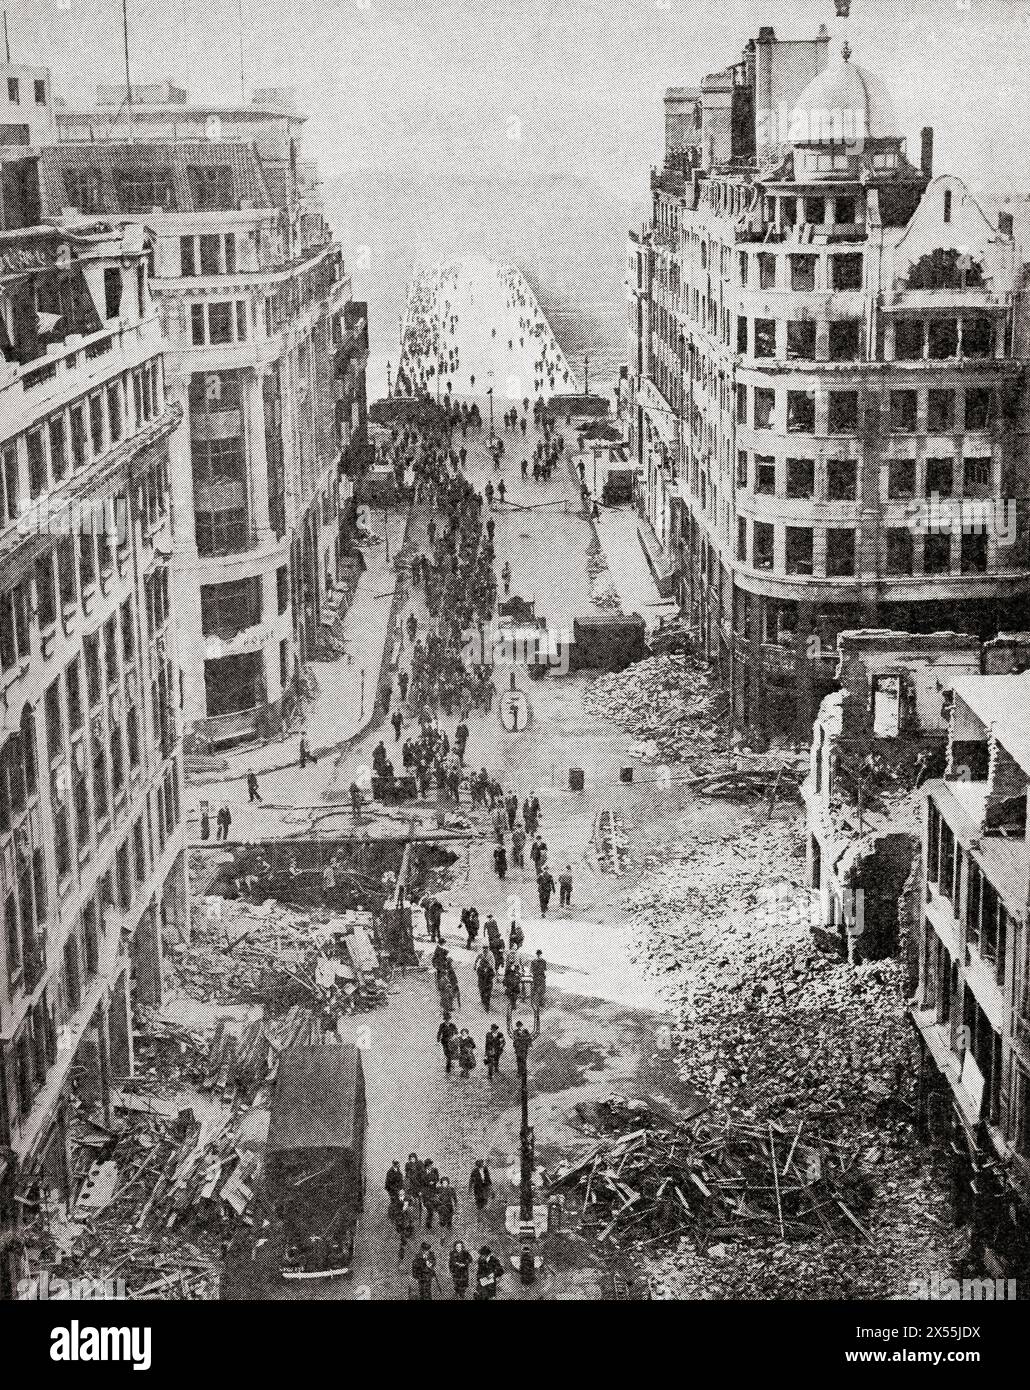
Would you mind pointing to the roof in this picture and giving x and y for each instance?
(116, 157)
(318, 1098)
(1001, 702)
(848, 95)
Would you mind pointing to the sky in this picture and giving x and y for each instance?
(532, 87)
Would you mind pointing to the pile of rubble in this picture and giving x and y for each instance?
(669, 705)
(772, 1032)
(654, 1175)
(603, 593)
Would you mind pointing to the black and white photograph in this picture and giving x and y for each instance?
(515, 669)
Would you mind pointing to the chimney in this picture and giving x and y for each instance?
(926, 150)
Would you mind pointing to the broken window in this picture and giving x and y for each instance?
(843, 412)
(742, 334)
(781, 622)
(944, 338)
(765, 406)
(799, 550)
(840, 552)
(940, 411)
(800, 477)
(801, 412)
(801, 340)
(142, 190)
(233, 683)
(210, 186)
(974, 553)
(908, 340)
(886, 706)
(763, 545)
(765, 474)
(841, 477)
(197, 325)
(220, 323)
(742, 538)
(766, 270)
(978, 408)
(846, 271)
(901, 479)
(226, 609)
(976, 477)
(903, 411)
(845, 340)
(898, 550)
(940, 475)
(742, 266)
(844, 212)
(815, 210)
(37, 462)
(765, 337)
(936, 554)
(977, 336)
(742, 468)
(802, 273)
(210, 254)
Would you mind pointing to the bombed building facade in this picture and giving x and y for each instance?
(266, 353)
(92, 848)
(827, 366)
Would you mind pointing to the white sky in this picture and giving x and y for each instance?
(436, 82)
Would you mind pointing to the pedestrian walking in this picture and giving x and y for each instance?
(488, 1270)
(446, 1204)
(525, 462)
(493, 1046)
(494, 940)
(205, 823)
(500, 861)
(500, 821)
(470, 922)
(459, 1262)
(516, 936)
(522, 1041)
(413, 1183)
(485, 973)
(480, 1184)
(253, 791)
(394, 1184)
(512, 981)
(445, 1035)
(405, 1227)
(430, 1188)
(402, 681)
(466, 1052)
(423, 1271)
(452, 984)
(224, 822)
(565, 887)
(501, 491)
(544, 889)
(396, 720)
(518, 845)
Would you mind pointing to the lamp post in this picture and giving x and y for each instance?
(389, 387)
(586, 375)
(490, 394)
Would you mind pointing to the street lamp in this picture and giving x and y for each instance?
(490, 394)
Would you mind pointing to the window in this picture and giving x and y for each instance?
(58, 456)
(99, 778)
(742, 334)
(765, 405)
(815, 210)
(765, 337)
(799, 550)
(111, 649)
(845, 340)
(123, 877)
(846, 271)
(226, 609)
(210, 254)
(908, 340)
(284, 664)
(841, 475)
(939, 477)
(801, 340)
(763, 545)
(800, 477)
(230, 253)
(211, 186)
(52, 720)
(132, 734)
(978, 408)
(241, 321)
(947, 205)
(282, 586)
(898, 550)
(940, 411)
(46, 596)
(943, 338)
(142, 190)
(91, 652)
(742, 468)
(974, 553)
(114, 411)
(741, 405)
(13, 93)
(82, 189)
(802, 273)
(77, 420)
(96, 424)
(220, 323)
(742, 266)
(219, 495)
(39, 91)
(139, 852)
(801, 412)
(742, 538)
(977, 337)
(765, 474)
(187, 262)
(766, 270)
(903, 411)
(128, 631)
(117, 761)
(197, 325)
(936, 554)
(844, 212)
(843, 412)
(10, 482)
(73, 690)
(976, 477)
(87, 561)
(37, 462)
(14, 135)
(901, 479)
(840, 553)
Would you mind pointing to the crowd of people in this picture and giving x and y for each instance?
(417, 1194)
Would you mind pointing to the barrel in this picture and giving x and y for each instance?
(575, 779)
(625, 774)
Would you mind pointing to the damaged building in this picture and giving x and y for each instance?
(972, 1003)
(266, 352)
(92, 845)
(827, 370)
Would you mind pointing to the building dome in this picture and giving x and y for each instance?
(844, 104)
